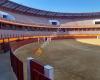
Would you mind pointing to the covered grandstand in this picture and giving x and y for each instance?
(29, 21)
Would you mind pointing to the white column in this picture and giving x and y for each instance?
(44, 38)
(49, 72)
(97, 37)
(38, 40)
(50, 39)
(28, 68)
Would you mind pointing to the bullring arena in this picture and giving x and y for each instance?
(44, 45)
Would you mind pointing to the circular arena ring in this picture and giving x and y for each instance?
(71, 58)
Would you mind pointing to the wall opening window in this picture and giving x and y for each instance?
(54, 22)
(97, 22)
(5, 16)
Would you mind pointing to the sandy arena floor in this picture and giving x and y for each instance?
(72, 60)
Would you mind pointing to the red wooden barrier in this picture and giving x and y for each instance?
(36, 75)
(4, 47)
(35, 66)
(20, 43)
(73, 37)
(37, 71)
(17, 66)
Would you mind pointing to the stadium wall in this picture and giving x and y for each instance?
(44, 20)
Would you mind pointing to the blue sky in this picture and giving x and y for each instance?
(63, 5)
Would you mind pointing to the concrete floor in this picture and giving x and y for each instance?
(6, 72)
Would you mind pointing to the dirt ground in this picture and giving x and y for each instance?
(72, 60)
